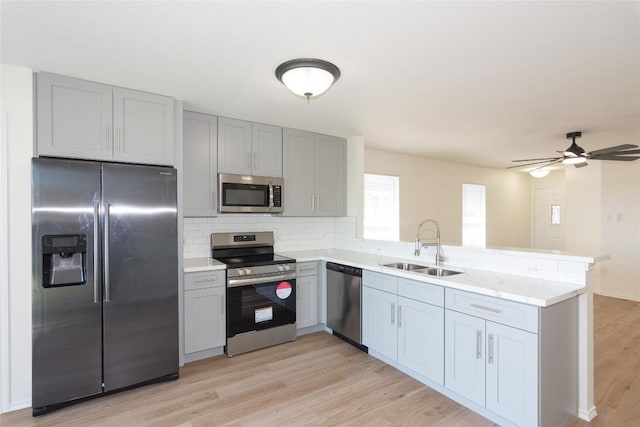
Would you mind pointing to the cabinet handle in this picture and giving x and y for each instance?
(313, 203)
(393, 314)
(108, 138)
(317, 202)
(483, 307)
(248, 161)
(399, 316)
(478, 344)
(255, 160)
(207, 280)
(490, 348)
(222, 304)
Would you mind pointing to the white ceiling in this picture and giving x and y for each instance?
(476, 82)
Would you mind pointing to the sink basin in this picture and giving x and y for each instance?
(440, 272)
(407, 266)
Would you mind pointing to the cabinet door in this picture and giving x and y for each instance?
(201, 161)
(234, 146)
(421, 338)
(298, 148)
(306, 301)
(512, 374)
(204, 319)
(143, 127)
(330, 176)
(266, 148)
(379, 330)
(464, 364)
(73, 118)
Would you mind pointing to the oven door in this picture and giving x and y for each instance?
(256, 306)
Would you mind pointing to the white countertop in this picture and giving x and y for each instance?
(522, 289)
(192, 265)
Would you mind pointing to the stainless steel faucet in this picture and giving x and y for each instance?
(420, 245)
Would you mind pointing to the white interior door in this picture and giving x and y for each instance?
(548, 218)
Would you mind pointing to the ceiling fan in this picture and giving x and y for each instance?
(575, 155)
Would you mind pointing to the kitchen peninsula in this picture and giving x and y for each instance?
(550, 318)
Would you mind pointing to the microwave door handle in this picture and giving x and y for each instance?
(270, 197)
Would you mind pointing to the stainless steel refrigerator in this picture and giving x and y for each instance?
(105, 279)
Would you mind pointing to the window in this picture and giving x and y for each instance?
(474, 215)
(381, 207)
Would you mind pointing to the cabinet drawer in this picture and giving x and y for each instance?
(205, 279)
(420, 291)
(383, 282)
(306, 268)
(508, 313)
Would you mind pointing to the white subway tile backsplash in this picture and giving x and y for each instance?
(308, 233)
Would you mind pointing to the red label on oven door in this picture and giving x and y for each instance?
(283, 290)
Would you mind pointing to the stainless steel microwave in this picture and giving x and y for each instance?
(249, 194)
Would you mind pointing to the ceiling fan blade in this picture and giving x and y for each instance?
(611, 149)
(581, 165)
(547, 163)
(533, 160)
(615, 157)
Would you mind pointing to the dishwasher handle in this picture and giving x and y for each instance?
(344, 269)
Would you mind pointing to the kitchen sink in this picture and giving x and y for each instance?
(439, 272)
(407, 266)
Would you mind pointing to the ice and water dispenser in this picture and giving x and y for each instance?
(64, 259)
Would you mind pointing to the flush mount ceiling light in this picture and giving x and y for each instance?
(307, 77)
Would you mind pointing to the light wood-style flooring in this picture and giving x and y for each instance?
(321, 381)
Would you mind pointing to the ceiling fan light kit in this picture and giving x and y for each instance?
(539, 173)
(307, 77)
(577, 156)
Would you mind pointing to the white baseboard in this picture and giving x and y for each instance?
(589, 414)
(614, 295)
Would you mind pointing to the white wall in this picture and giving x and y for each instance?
(433, 189)
(17, 101)
(621, 230)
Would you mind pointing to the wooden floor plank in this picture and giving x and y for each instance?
(319, 380)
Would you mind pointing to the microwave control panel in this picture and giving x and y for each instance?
(277, 196)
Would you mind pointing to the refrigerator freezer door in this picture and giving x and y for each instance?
(141, 274)
(67, 331)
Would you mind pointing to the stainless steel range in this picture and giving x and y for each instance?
(261, 291)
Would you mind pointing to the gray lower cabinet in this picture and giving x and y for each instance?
(306, 294)
(403, 320)
(204, 312)
(82, 119)
(314, 171)
(515, 360)
(246, 148)
(200, 148)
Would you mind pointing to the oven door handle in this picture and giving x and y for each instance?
(232, 283)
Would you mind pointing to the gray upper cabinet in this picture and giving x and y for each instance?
(200, 160)
(247, 148)
(73, 118)
(144, 127)
(314, 174)
(81, 119)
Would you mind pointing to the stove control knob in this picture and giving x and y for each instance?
(247, 271)
(287, 267)
(280, 268)
(241, 272)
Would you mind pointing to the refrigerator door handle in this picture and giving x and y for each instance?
(106, 253)
(96, 250)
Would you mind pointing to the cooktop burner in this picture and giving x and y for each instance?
(238, 250)
(256, 260)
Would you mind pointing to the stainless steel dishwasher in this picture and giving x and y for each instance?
(344, 303)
